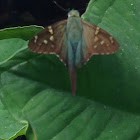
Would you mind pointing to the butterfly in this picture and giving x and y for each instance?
(74, 40)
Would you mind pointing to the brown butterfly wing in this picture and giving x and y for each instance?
(98, 41)
(50, 40)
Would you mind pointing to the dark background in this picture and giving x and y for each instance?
(39, 12)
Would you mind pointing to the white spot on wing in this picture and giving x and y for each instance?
(111, 39)
(51, 31)
(102, 42)
(36, 37)
(51, 38)
(97, 30)
(45, 41)
(95, 46)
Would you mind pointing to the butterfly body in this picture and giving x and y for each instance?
(75, 46)
(74, 41)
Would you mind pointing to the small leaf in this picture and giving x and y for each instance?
(25, 32)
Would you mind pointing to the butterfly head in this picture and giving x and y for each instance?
(73, 13)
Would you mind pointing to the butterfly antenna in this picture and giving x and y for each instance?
(60, 6)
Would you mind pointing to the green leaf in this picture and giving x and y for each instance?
(25, 32)
(35, 88)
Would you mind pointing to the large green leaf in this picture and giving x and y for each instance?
(35, 88)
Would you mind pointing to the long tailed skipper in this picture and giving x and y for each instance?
(74, 40)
